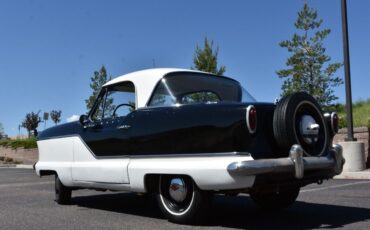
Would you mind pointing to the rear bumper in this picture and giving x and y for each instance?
(295, 163)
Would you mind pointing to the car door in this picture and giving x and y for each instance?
(101, 152)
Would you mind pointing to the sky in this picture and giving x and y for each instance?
(50, 49)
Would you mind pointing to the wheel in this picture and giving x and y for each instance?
(298, 119)
(275, 199)
(180, 200)
(62, 193)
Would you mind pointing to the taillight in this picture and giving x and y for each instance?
(251, 119)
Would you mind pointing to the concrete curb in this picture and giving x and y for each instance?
(361, 175)
(20, 166)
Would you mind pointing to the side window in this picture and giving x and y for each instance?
(162, 99)
(200, 97)
(117, 101)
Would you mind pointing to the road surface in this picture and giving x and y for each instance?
(26, 202)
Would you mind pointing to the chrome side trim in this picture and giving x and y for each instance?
(235, 154)
(296, 156)
(338, 151)
(295, 163)
(335, 131)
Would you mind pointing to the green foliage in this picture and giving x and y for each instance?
(309, 69)
(31, 122)
(28, 143)
(97, 81)
(361, 114)
(1, 130)
(342, 122)
(55, 116)
(205, 59)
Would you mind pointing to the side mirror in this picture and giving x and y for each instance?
(84, 120)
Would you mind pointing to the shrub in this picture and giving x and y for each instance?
(342, 122)
(28, 143)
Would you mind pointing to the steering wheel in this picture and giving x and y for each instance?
(120, 105)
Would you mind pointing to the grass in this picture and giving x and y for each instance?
(361, 114)
(28, 143)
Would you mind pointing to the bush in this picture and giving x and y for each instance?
(29, 143)
(361, 114)
(342, 122)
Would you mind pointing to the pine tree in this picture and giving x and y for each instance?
(309, 69)
(97, 81)
(205, 59)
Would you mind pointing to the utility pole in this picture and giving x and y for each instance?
(347, 72)
(46, 117)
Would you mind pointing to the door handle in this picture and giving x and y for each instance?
(93, 126)
(124, 127)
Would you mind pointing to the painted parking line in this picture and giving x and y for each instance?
(12, 185)
(335, 186)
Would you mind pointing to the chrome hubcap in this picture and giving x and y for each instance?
(309, 129)
(177, 189)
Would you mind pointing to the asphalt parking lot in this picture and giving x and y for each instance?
(26, 202)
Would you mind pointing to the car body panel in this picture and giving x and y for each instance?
(198, 140)
(145, 81)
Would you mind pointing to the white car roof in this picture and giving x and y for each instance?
(145, 81)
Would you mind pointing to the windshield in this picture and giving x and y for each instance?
(114, 101)
(192, 88)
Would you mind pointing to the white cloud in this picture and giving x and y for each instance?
(73, 118)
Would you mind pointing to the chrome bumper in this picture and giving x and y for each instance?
(294, 163)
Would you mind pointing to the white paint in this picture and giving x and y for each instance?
(145, 82)
(86, 167)
(73, 161)
(57, 155)
(76, 166)
(335, 186)
(209, 173)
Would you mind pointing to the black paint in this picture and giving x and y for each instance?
(187, 129)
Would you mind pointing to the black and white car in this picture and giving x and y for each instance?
(186, 135)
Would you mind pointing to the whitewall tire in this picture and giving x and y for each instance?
(180, 200)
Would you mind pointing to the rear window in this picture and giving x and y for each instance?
(192, 88)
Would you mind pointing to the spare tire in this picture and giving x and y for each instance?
(298, 119)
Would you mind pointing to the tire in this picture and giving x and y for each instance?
(181, 201)
(275, 200)
(290, 116)
(63, 194)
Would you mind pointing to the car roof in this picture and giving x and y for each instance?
(145, 81)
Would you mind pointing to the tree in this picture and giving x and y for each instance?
(55, 116)
(97, 81)
(31, 122)
(1, 130)
(309, 69)
(205, 59)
